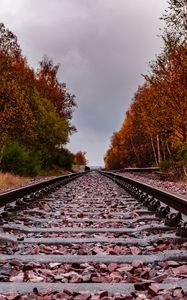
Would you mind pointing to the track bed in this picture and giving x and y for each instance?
(90, 240)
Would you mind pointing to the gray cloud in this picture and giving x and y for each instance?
(103, 47)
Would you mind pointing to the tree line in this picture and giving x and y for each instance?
(35, 112)
(154, 131)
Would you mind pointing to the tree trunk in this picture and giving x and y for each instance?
(135, 152)
(164, 150)
(158, 149)
(154, 151)
(169, 151)
(185, 171)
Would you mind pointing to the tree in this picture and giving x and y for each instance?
(8, 43)
(176, 20)
(19, 160)
(35, 108)
(80, 158)
(51, 130)
(65, 159)
(56, 92)
(155, 127)
(14, 109)
(16, 118)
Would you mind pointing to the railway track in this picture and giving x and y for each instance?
(91, 239)
(149, 195)
(37, 188)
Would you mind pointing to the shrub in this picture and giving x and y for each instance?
(166, 164)
(18, 159)
(183, 152)
(64, 159)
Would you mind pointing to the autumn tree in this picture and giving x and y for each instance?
(35, 108)
(16, 118)
(130, 146)
(56, 92)
(176, 20)
(113, 156)
(80, 158)
(8, 43)
(168, 80)
(155, 126)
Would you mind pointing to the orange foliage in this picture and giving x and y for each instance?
(80, 158)
(156, 123)
(155, 127)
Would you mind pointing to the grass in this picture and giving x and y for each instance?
(8, 180)
(53, 172)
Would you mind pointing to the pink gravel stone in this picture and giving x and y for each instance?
(112, 267)
(116, 277)
(137, 263)
(17, 278)
(180, 270)
(153, 289)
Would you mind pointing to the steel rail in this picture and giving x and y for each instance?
(177, 202)
(14, 194)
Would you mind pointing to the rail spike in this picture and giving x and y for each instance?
(157, 205)
(19, 202)
(151, 203)
(9, 207)
(174, 219)
(5, 214)
(27, 198)
(141, 195)
(138, 194)
(154, 205)
(182, 230)
(146, 199)
(132, 190)
(163, 211)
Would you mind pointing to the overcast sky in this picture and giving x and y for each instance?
(103, 47)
